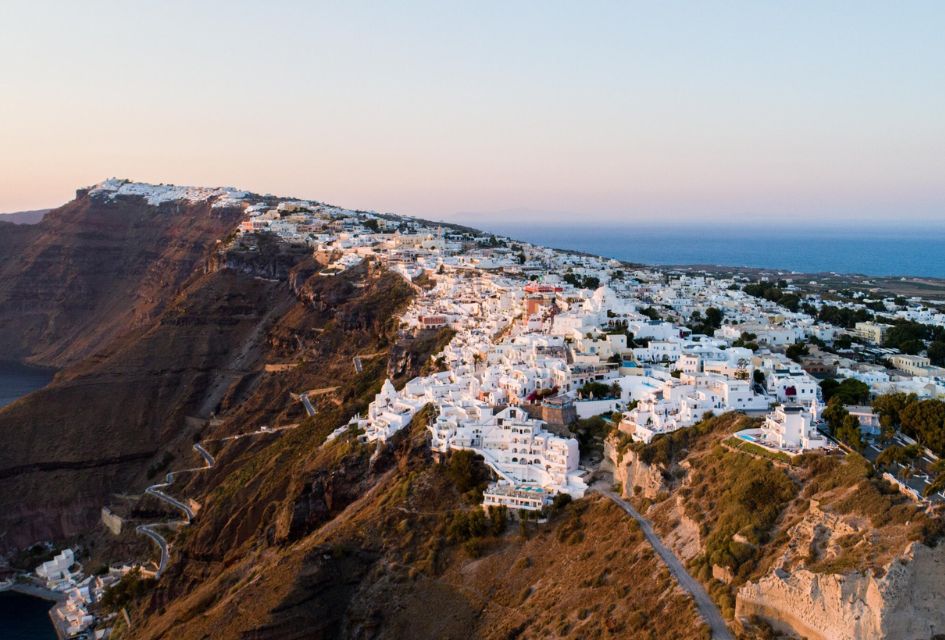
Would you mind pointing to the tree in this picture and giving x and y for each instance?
(849, 391)
(465, 470)
(828, 387)
(889, 407)
(912, 347)
(747, 340)
(796, 351)
(843, 316)
(708, 323)
(843, 341)
(615, 390)
(790, 302)
(907, 336)
(651, 313)
(849, 432)
(759, 377)
(936, 353)
(895, 454)
(925, 421)
(595, 390)
(713, 317)
(834, 415)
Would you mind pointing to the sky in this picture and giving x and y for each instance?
(600, 112)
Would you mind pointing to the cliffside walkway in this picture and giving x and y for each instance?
(309, 409)
(707, 609)
(156, 490)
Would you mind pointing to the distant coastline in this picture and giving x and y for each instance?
(870, 251)
(25, 217)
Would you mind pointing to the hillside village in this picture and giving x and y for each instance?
(544, 339)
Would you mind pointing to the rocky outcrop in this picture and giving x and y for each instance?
(329, 491)
(263, 256)
(635, 476)
(901, 599)
(905, 602)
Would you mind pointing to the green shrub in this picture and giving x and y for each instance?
(466, 470)
(130, 588)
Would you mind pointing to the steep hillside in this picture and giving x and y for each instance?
(820, 546)
(115, 418)
(362, 543)
(96, 268)
(92, 431)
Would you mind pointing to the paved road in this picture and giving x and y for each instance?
(147, 530)
(309, 409)
(156, 491)
(257, 432)
(707, 609)
(206, 455)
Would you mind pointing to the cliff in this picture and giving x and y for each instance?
(820, 547)
(104, 420)
(156, 335)
(96, 268)
(635, 477)
(903, 600)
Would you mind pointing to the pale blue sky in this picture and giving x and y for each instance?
(615, 110)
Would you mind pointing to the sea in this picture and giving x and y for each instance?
(23, 617)
(852, 249)
(16, 380)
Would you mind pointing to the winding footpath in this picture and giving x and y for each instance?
(707, 609)
(156, 490)
(309, 409)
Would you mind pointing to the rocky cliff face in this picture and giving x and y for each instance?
(122, 291)
(265, 256)
(96, 268)
(634, 476)
(100, 424)
(904, 602)
(842, 556)
(901, 599)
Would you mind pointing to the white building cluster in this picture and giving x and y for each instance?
(73, 615)
(58, 572)
(548, 331)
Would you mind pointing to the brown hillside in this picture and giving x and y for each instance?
(381, 554)
(93, 269)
